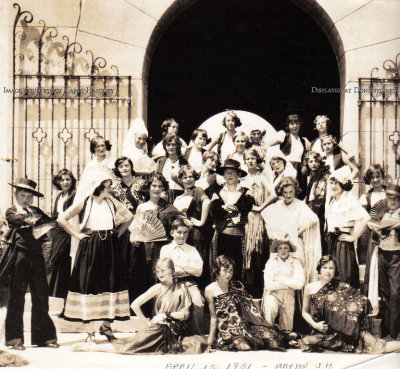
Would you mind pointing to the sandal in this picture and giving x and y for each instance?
(107, 331)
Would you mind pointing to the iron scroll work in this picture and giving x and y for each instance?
(63, 96)
(378, 102)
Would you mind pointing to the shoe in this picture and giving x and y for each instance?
(18, 346)
(107, 331)
(51, 345)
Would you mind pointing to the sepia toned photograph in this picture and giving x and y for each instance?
(200, 184)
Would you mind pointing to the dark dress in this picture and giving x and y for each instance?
(345, 311)
(229, 236)
(97, 289)
(131, 197)
(200, 237)
(317, 185)
(164, 337)
(239, 322)
(60, 259)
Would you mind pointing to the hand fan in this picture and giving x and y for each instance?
(146, 227)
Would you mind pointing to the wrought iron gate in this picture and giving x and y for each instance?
(379, 134)
(62, 97)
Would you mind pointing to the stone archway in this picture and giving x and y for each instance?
(311, 8)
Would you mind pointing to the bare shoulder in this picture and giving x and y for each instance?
(210, 290)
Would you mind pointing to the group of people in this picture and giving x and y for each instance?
(259, 229)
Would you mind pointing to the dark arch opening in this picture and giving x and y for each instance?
(259, 56)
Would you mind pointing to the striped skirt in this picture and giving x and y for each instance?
(97, 289)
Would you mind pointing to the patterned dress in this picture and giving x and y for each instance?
(240, 321)
(344, 309)
(163, 337)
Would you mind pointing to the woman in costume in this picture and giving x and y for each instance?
(194, 154)
(135, 148)
(371, 201)
(346, 220)
(148, 250)
(163, 333)
(97, 291)
(224, 142)
(338, 314)
(170, 164)
(195, 204)
(229, 209)
(256, 241)
(168, 127)
(315, 194)
(209, 180)
(336, 158)
(242, 142)
(60, 259)
(236, 323)
(130, 192)
(291, 218)
(291, 144)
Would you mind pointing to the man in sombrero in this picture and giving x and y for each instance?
(24, 262)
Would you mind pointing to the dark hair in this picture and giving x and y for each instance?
(179, 222)
(285, 182)
(346, 186)
(292, 118)
(165, 125)
(242, 134)
(57, 178)
(159, 177)
(172, 139)
(119, 161)
(321, 170)
(222, 261)
(96, 140)
(322, 117)
(100, 188)
(325, 260)
(372, 168)
(254, 152)
(234, 117)
(188, 169)
(203, 133)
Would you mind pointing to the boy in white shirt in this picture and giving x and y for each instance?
(188, 266)
(283, 275)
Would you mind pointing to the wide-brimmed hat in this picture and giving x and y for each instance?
(277, 243)
(27, 185)
(231, 164)
(393, 189)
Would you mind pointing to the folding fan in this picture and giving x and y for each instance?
(146, 227)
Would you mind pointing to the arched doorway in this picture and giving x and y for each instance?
(259, 56)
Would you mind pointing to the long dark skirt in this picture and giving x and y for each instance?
(60, 263)
(231, 246)
(97, 289)
(368, 257)
(345, 255)
(200, 238)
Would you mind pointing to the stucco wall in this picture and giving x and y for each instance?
(125, 32)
